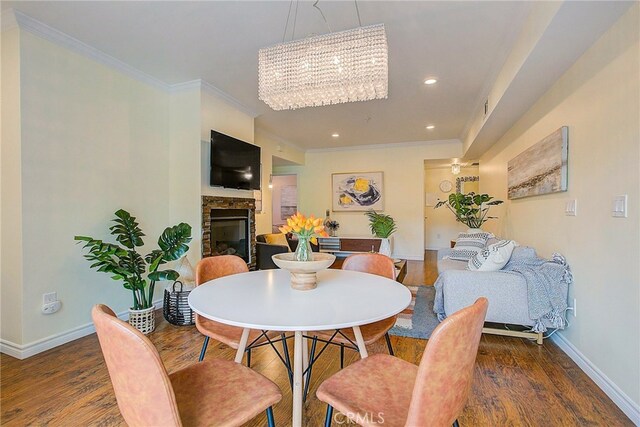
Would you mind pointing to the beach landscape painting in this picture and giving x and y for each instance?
(540, 169)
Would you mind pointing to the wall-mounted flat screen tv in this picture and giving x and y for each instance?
(234, 163)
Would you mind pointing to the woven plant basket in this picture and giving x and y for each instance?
(143, 320)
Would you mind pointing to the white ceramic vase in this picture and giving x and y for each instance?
(386, 246)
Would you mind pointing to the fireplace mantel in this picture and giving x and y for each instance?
(219, 202)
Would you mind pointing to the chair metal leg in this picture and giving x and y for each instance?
(341, 356)
(455, 424)
(270, 421)
(287, 359)
(204, 349)
(329, 416)
(248, 358)
(386, 337)
(311, 362)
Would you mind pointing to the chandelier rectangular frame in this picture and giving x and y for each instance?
(334, 68)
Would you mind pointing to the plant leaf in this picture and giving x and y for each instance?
(163, 275)
(173, 241)
(127, 230)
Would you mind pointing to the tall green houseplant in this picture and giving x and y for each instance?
(381, 225)
(123, 262)
(470, 209)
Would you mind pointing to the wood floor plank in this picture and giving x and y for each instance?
(516, 382)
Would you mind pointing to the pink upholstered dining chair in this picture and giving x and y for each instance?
(211, 268)
(386, 390)
(216, 392)
(371, 263)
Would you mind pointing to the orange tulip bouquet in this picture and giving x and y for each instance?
(307, 230)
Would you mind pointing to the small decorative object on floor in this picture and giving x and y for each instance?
(175, 307)
(306, 230)
(470, 209)
(123, 263)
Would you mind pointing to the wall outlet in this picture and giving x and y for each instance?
(51, 307)
(49, 298)
(575, 308)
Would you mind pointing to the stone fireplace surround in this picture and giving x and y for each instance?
(219, 202)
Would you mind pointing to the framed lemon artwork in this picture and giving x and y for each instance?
(358, 191)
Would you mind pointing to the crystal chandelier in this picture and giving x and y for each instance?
(455, 168)
(345, 66)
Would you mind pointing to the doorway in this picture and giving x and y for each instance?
(284, 202)
(440, 181)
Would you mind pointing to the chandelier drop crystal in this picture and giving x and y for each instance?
(455, 168)
(333, 68)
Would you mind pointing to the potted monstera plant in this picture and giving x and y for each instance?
(470, 209)
(137, 273)
(382, 226)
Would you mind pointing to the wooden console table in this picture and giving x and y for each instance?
(349, 244)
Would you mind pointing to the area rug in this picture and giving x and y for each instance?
(418, 320)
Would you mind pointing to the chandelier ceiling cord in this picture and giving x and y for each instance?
(333, 68)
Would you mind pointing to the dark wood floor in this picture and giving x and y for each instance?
(516, 381)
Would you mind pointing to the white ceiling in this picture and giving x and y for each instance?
(462, 44)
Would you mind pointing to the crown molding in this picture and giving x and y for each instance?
(46, 32)
(184, 86)
(53, 35)
(8, 20)
(386, 146)
(211, 89)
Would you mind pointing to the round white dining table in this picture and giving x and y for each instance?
(264, 300)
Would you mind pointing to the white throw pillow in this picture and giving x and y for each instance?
(493, 257)
(468, 245)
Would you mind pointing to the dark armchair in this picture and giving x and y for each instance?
(264, 251)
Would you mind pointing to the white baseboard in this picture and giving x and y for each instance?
(22, 351)
(624, 402)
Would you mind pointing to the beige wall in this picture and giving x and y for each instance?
(11, 260)
(271, 146)
(598, 99)
(93, 141)
(184, 164)
(403, 169)
(440, 224)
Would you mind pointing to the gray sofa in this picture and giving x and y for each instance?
(506, 292)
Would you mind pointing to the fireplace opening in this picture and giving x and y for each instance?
(230, 233)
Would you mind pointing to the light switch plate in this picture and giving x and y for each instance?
(571, 208)
(619, 206)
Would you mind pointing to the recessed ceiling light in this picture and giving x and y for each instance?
(335, 135)
(430, 127)
(430, 81)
